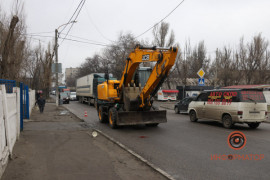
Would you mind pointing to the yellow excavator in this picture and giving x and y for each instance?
(129, 101)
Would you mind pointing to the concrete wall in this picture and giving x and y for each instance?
(10, 122)
(32, 100)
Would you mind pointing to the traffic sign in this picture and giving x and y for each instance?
(59, 68)
(201, 82)
(201, 73)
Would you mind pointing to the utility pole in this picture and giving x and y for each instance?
(56, 68)
(56, 61)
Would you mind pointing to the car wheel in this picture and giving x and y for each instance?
(193, 116)
(227, 121)
(176, 110)
(254, 125)
(101, 115)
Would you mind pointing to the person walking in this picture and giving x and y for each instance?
(41, 103)
(37, 96)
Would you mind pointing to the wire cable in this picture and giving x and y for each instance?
(38, 35)
(160, 20)
(98, 44)
(92, 43)
(84, 39)
(71, 16)
(74, 20)
(41, 32)
(97, 27)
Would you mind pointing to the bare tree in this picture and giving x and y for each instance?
(182, 65)
(224, 66)
(259, 54)
(6, 64)
(12, 42)
(163, 38)
(91, 65)
(113, 58)
(254, 60)
(71, 81)
(161, 35)
(198, 59)
(117, 53)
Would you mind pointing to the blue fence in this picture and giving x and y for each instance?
(9, 84)
(24, 103)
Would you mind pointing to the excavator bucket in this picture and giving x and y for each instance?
(141, 117)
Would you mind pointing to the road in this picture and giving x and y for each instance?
(184, 149)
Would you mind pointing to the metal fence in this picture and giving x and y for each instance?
(9, 84)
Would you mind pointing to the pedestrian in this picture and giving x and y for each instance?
(37, 96)
(41, 103)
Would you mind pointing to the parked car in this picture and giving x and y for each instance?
(53, 92)
(230, 106)
(65, 96)
(66, 100)
(73, 96)
(182, 106)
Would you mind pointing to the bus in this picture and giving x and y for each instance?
(169, 94)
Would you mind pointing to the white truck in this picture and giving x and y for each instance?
(86, 87)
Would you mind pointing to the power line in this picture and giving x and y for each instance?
(38, 35)
(160, 20)
(98, 44)
(74, 20)
(36, 39)
(71, 17)
(97, 27)
(85, 39)
(45, 36)
(42, 32)
(74, 40)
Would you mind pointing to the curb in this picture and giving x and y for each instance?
(157, 169)
(137, 156)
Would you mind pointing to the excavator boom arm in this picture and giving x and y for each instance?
(164, 58)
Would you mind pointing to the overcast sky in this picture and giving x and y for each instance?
(216, 22)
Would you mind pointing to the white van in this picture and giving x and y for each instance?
(230, 106)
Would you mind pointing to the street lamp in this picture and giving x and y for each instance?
(56, 61)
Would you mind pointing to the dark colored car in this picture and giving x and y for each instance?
(65, 96)
(66, 100)
(182, 106)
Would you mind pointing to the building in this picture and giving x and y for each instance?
(70, 73)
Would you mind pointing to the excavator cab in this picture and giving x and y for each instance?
(133, 89)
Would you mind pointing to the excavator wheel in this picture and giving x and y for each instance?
(101, 115)
(113, 117)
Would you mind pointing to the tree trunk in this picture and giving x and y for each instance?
(8, 46)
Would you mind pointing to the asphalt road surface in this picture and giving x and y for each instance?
(186, 150)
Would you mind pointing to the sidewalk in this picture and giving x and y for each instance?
(56, 145)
